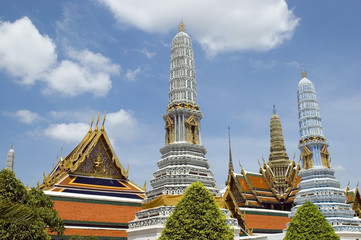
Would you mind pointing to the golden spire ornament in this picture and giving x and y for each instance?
(304, 74)
(181, 26)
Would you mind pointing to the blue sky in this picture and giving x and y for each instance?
(62, 61)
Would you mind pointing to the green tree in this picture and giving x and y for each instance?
(309, 223)
(196, 216)
(33, 211)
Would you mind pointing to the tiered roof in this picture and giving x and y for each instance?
(274, 187)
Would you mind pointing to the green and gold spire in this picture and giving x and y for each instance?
(278, 158)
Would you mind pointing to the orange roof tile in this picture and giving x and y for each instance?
(258, 182)
(266, 222)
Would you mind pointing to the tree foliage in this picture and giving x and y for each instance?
(32, 211)
(196, 216)
(309, 223)
(78, 237)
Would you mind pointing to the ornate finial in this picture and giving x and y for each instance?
(230, 164)
(61, 154)
(91, 124)
(181, 26)
(105, 114)
(357, 184)
(127, 171)
(239, 162)
(145, 186)
(96, 127)
(304, 74)
(12, 146)
(37, 185)
(274, 109)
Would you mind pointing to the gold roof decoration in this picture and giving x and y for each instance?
(93, 156)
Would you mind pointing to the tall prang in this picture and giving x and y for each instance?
(183, 156)
(10, 159)
(318, 184)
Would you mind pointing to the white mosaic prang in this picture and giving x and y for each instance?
(182, 162)
(318, 184)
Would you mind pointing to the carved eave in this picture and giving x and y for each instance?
(269, 179)
(291, 178)
(232, 179)
(231, 202)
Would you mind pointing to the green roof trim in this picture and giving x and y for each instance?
(91, 223)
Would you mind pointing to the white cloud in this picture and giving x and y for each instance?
(120, 126)
(68, 133)
(131, 75)
(24, 52)
(218, 27)
(27, 54)
(94, 61)
(146, 52)
(338, 168)
(24, 116)
(71, 79)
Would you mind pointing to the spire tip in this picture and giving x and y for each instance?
(304, 74)
(181, 26)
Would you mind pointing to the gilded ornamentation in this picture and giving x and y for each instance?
(307, 158)
(182, 105)
(99, 162)
(325, 157)
(312, 138)
(98, 165)
(192, 130)
(169, 131)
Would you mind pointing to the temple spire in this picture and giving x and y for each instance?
(181, 26)
(304, 74)
(278, 149)
(10, 159)
(230, 164)
(278, 158)
(182, 81)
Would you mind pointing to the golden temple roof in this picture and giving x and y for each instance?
(93, 156)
